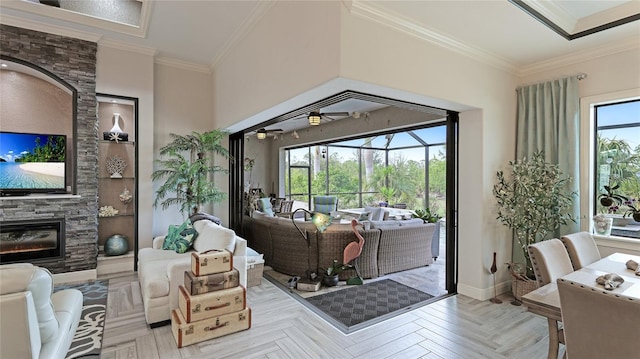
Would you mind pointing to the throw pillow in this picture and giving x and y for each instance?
(264, 205)
(180, 238)
(213, 236)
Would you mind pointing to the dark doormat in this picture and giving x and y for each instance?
(359, 306)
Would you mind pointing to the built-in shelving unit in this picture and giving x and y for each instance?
(110, 188)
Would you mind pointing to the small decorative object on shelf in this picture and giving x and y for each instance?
(116, 166)
(116, 134)
(116, 245)
(107, 211)
(125, 198)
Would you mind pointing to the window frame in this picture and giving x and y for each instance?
(587, 163)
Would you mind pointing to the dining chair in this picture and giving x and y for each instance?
(550, 261)
(582, 249)
(598, 323)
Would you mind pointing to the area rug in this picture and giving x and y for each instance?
(87, 342)
(357, 307)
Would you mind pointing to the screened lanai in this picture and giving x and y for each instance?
(404, 169)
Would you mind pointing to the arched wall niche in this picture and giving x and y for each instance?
(34, 100)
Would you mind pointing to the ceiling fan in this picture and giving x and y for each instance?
(262, 133)
(315, 117)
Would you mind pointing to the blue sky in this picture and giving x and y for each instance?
(621, 114)
(12, 145)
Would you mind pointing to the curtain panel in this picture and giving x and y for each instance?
(548, 119)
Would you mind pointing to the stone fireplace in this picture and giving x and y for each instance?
(73, 61)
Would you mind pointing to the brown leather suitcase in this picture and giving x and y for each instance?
(190, 333)
(211, 282)
(207, 305)
(211, 261)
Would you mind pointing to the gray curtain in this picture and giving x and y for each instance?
(548, 119)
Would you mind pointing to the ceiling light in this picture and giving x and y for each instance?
(314, 118)
(4, 65)
(262, 134)
(295, 135)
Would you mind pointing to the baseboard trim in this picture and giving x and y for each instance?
(78, 276)
(483, 293)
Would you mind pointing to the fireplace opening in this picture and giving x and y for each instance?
(31, 240)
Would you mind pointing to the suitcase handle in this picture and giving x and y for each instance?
(208, 329)
(214, 307)
(216, 284)
(211, 251)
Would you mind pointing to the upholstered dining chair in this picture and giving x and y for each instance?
(598, 323)
(582, 249)
(325, 204)
(550, 261)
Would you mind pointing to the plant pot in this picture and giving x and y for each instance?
(636, 216)
(606, 202)
(330, 280)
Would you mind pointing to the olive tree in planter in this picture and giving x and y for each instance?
(533, 201)
(186, 171)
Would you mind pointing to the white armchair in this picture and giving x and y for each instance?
(161, 271)
(34, 322)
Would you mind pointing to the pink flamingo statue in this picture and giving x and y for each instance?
(351, 253)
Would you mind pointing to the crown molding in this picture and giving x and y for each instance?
(47, 28)
(126, 46)
(258, 12)
(183, 65)
(630, 43)
(83, 19)
(410, 27)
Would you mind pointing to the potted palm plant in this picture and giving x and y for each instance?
(532, 201)
(186, 170)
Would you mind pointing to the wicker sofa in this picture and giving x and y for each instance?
(386, 250)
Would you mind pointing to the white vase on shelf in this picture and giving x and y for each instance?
(116, 123)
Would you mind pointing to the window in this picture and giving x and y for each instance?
(400, 168)
(617, 163)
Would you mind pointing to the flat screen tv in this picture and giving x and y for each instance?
(32, 163)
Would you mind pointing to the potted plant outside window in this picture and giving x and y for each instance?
(532, 201)
(186, 169)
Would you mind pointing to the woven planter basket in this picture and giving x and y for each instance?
(520, 287)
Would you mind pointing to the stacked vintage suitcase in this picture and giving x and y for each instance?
(211, 302)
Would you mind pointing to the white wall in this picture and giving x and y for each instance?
(124, 73)
(182, 105)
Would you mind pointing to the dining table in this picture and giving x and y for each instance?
(545, 301)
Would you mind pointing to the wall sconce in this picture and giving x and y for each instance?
(295, 134)
(314, 118)
(262, 134)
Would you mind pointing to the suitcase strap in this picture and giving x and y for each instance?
(214, 307)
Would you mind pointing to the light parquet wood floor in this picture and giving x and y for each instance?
(455, 327)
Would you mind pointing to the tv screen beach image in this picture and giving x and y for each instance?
(32, 161)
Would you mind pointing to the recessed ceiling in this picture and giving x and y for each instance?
(576, 19)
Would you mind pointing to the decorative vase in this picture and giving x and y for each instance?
(116, 245)
(602, 225)
(330, 280)
(116, 123)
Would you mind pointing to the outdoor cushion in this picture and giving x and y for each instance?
(325, 204)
